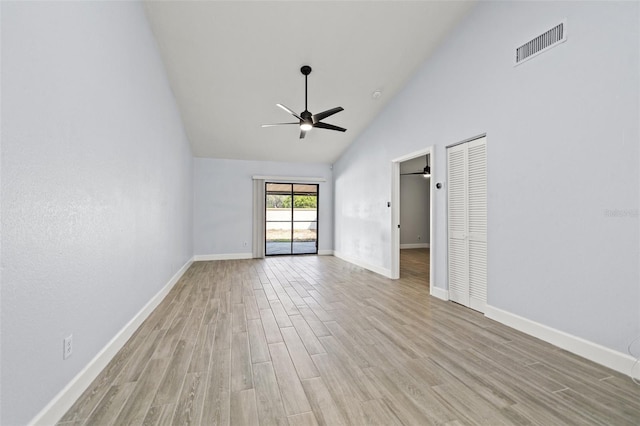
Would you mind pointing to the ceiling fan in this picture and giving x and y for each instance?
(426, 172)
(307, 121)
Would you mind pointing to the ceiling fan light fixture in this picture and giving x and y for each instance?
(308, 120)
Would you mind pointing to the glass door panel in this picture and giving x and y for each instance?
(278, 238)
(305, 236)
(291, 218)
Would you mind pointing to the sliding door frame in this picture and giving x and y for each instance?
(292, 220)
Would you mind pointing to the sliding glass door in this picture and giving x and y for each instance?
(291, 218)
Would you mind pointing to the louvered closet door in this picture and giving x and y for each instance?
(477, 222)
(457, 222)
(467, 223)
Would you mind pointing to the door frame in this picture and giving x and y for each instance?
(395, 211)
(317, 221)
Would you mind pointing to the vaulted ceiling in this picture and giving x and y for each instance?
(230, 62)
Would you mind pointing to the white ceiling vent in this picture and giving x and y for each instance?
(542, 43)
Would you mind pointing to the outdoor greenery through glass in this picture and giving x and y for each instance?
(284, 202)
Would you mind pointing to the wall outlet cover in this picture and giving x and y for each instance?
(67, 348)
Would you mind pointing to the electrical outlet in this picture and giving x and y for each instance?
(67, 348)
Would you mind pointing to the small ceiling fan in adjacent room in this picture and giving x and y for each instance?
(307, 121)
(426, 172)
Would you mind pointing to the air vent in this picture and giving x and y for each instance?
(542, 43)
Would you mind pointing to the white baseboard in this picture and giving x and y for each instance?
(440, 293)
(229, 256)
(373, 268)
(414, 246)
(615, 360)
(325, 252)
(61, 403)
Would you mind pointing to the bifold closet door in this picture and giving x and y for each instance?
(467, 223)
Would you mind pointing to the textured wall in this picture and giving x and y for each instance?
(96, 188)
(223, 202)
(414, 209)
(562, 139)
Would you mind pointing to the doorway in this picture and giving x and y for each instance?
(415, 212)
(425, 242)
(291, 218)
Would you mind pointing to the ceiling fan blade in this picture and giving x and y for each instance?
(329, 127)
(290, 111)
(324, 114)
(278, 124)
(303, 133)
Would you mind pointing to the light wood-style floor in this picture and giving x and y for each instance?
(315, 340)
(414, 266)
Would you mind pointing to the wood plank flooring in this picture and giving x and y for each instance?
(314, 340)
(414, 266)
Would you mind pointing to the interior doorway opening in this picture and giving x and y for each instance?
(291, 218)
(415, 212)
(412, 216)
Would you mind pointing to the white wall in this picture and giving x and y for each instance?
(96, 188)
(563, 139)
(223, 197)
(414, 210)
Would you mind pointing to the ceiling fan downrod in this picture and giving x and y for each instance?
(305, 70)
